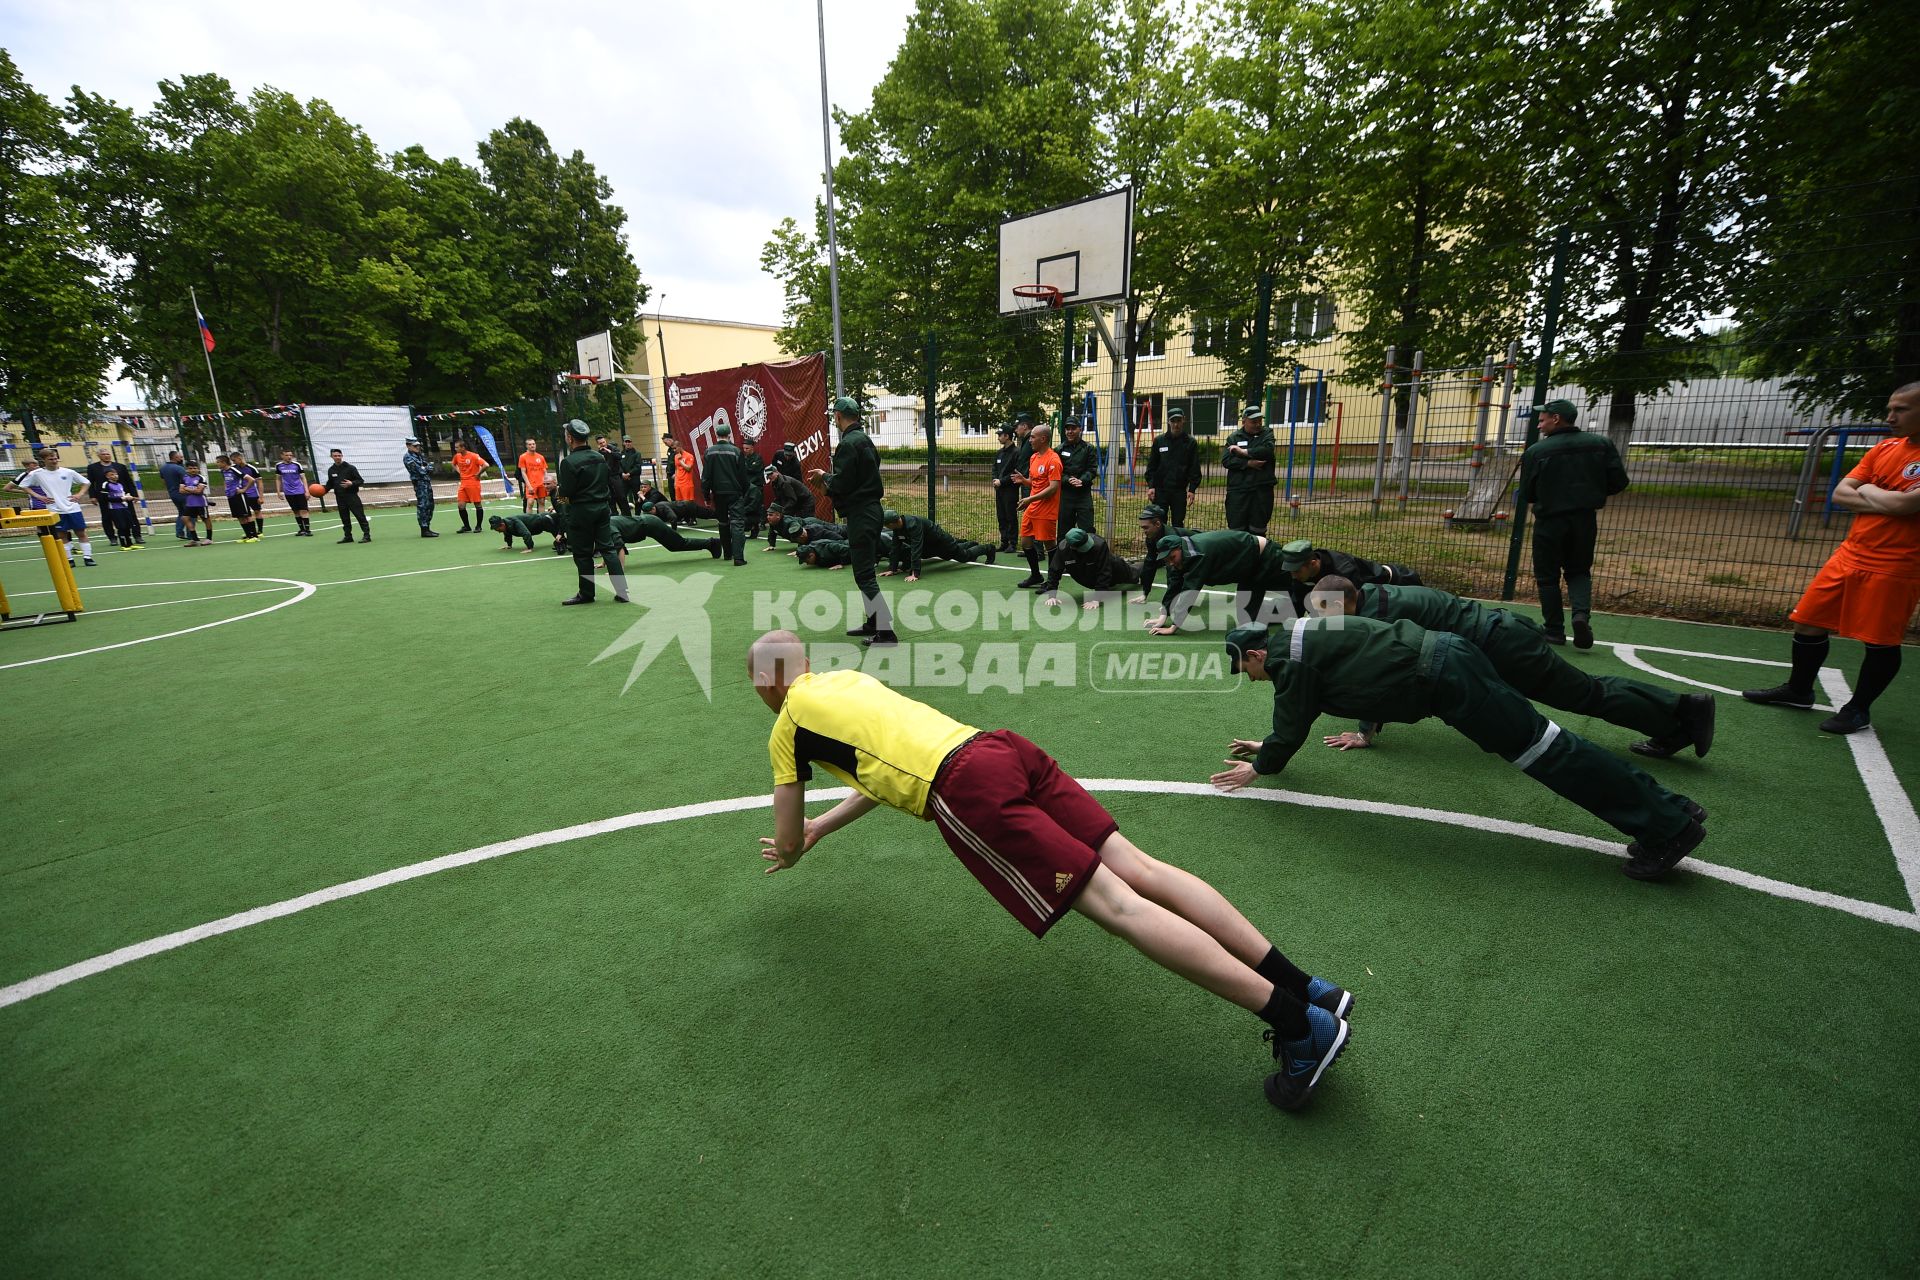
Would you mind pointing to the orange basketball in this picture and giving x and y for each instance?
(316, 490)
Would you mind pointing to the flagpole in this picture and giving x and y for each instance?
(833, 238)
(200, 333)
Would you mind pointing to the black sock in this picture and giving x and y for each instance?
(1283, 973)
(1877, 671)
(1285, 1013)
(1809, 653)
(1033, 561)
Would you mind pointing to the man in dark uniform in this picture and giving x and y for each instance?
(616, 489)
(1079, 474)
(824, 554)
(786, 460)
(1154, 526)
(1088, 560)
(420, 472)
(854, 485)
(1217, 558)
(791, 499)
(525, 526)
(1522, 657)
(1248, 458)
(634, 530)
(1173, 468)
(97, 486)
(1006, 493)
(632, 470)
(810, 529)
(915, 538)
(1307, 564)
(733, 492)
(1568, 475)
(344, 483)
(1394, 671)
(585, 495)
(681, 512)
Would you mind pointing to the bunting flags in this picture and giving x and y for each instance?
(266, 411)
(462, 413)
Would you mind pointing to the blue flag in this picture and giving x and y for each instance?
(493, 451)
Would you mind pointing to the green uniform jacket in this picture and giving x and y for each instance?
(1081, 460)
(1151, 564)
(1571, 470)
(583, 479)
(724, 473)
(1221, 557)
(1022, 455)
(909, 544)
(1096, 568)
(1370, 670)
(1173, 462)
(528, 525)
(854, 481)
(1336, 564)
(831, 553)
(1259, 448)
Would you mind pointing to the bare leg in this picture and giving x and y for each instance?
(1187, 896)
(1171, 942)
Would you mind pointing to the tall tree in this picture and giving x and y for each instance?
(55, 314)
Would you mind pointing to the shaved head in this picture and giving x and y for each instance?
(775, 661)
(1332, 595)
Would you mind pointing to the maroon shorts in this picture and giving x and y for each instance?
(1026, 831)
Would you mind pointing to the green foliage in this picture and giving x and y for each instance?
(55, 316)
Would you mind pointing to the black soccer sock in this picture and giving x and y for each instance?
(1809, 653)
(1033, 561)
(1877, 671)
(1286, 1014)
(1282, 973)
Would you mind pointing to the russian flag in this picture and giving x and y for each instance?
(206, 334)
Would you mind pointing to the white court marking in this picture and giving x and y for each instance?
(57, 978)
(305, 589)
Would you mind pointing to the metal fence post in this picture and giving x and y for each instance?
(1542, 383)
(1262, 332)
(1405, 436)
(931, 419)
(1386, 420)
(1066, 366)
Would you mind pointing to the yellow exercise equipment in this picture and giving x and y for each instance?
(64, 588)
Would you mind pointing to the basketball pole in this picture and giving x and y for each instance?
(1119, 422)
(833, 235)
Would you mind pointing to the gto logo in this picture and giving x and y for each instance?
(750, 412)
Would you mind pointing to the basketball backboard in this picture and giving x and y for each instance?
(1084, 249)
(593, 356)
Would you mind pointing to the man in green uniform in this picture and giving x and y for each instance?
(855, 487)
(634, 530)
(633, 471)
(1307, 564)
(1079, 473)
(1006, 492)
(808, 529)
(1522, 657)
(585, 495)
(1173, 468)
(525, 526)
(1022, 452)
(732, 490)
(1088, 560)
(915, 538)
(1217, 558)
(791, 500)
(825, 554)
(1394, 671)
(1248, 459)
(1155, 525)
(1568, 475)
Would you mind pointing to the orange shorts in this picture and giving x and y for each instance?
(536, 488)
(469, 492)
(1041, 526)
(1873, 608)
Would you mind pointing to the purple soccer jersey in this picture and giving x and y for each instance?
(292, 478)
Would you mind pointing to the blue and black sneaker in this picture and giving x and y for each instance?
(1303, 1062)
(1337, 1001)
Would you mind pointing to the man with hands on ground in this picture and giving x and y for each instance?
(1033, 838)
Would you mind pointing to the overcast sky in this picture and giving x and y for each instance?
(704, 117)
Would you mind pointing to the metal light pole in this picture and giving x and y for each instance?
(833, 235)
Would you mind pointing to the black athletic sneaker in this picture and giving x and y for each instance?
(1651, 861)
(881, 640)
(1582, 633)
(1696, 730)
(1303, 1062)
(1694, 810)
(577, 599)
(1781, 695)
(345, 540)
(1337, 1001)
(1555, 637)
(1031, 580)
(991, 553)
(1848, 719)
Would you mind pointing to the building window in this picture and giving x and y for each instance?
(1148, 342)
(1089, 346)
(974, 427)
(1311, 318)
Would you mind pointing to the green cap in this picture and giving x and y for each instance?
(1176, 413)
(1240, 640)
(575, 427)
(1153, 511)
(848, 405)
(722, 430)
(1295, 554)
(889, 515)
(1173, 542)
(1023, 417)
(1253, 411)
(1562, 407)
(494, 522)
(1079, 539)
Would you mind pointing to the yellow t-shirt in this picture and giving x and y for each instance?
(886, 745)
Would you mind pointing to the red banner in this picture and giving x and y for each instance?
(766, 405)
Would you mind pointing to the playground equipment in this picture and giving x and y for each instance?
(1810, 464)
(64, 589)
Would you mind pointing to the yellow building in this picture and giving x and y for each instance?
(135, 435)
(670, 346)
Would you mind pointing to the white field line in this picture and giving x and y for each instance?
(57, 978)
(1890, 800)
(1629, 654)
(156, 604)
(305, 589)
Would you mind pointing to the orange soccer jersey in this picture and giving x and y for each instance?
(533, 474)
(684, 480)
(469, 464)
(1869, 587)
(1041, 518)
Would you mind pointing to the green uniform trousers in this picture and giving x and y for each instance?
(590, 537)
(739, 515)
(1470, 696)
(1524, 659)
(1076, 510)
(863, 546)
(1250, 510)
(1563, 544)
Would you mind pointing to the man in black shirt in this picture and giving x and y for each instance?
(1173, 468)
(1006, 492)
(344, 483)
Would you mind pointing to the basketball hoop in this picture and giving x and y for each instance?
(1036, 301)
(587, 378)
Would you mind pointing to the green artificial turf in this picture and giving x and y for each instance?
(633, 1053)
